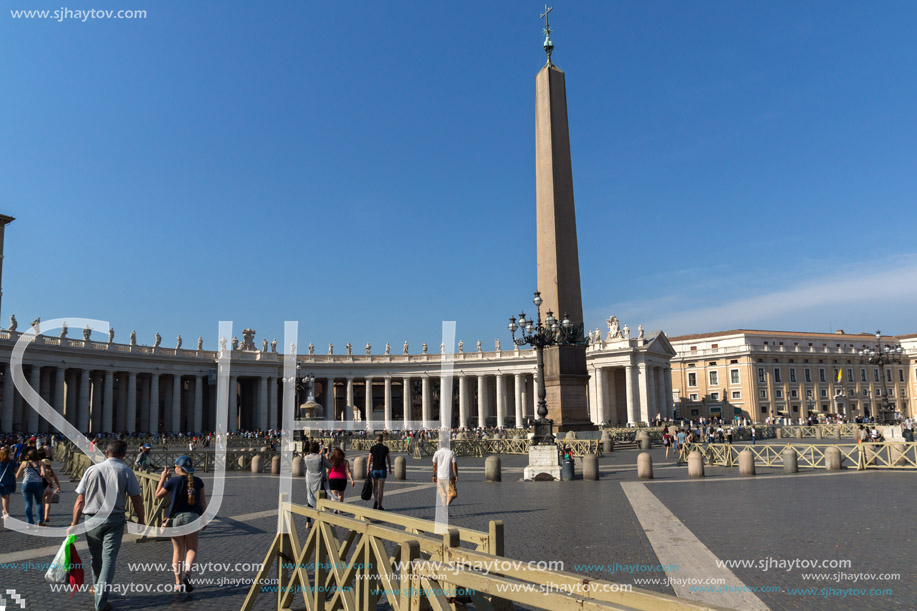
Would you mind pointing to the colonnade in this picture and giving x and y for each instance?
(630, 393)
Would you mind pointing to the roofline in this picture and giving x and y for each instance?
(696, 336)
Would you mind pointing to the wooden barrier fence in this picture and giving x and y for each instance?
(363, 558)
(886, 455)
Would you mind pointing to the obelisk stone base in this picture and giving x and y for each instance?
(543, 459)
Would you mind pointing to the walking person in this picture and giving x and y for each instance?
(33, 475)
(315, 465)
(52, 487)
(379, 457)
(104, 535)
(339, 474)
(188, 504)
(7, 479)
(445, 474)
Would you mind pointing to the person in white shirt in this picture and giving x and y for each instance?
(445, 473)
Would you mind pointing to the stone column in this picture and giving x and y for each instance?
(518, 381)
(348, 409)
(132, 402)
(368, 399)
(73, 392)
(120, 419)
(59, 390)
(600, 410)
(660, 392)
(406, 399)
(482, 416)
(9, 400)
(83, 409)
(233, 423)
(262, 402)
(144, 416)
(176, 403)
(388, 402)
(526, 412)
(96, 418)
(198, 404)
(652, 409)
(463, 401)
(643, 388)
(633, 410)
(501, 400)
(272, 403)
(425, 401)
(45, 392)
(154, 403)
(329, 398)
(108, 402)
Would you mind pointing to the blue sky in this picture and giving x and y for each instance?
(368, 168)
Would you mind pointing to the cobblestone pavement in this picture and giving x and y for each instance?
(809, 516)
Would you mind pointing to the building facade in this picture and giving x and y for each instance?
(108, 386)
(755, 374)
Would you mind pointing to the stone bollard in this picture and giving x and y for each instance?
(275, 465)
(818, 432)
(746, 463)
(591, 467)
(299, 466)
(241, 462)
(833, 459)
(256, 464)
(799, 433)
(492, 469)
(790, 461)
(401, 468)
(779, 432)
(643, 440)
(359, 468)
(264, 449)
(644, 466)
(837, 432)
(607, 444)
(570, 436)
(695, 464)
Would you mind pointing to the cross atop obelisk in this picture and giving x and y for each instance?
(566, 376)
(548, 45)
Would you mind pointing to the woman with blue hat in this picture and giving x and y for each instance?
(188, 504)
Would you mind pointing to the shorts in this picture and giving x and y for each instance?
(338, 484)
(185, 517)
(8, 489)
(379, 473)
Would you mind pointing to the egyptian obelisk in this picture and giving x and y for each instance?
(565, 372)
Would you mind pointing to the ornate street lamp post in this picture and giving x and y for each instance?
(305, 384)
(882, 355)
(538, 334)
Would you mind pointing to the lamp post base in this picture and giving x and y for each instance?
(544, 463)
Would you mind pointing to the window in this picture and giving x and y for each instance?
(808, 373)
(849, 379)
(734, 362)
(821, 375)
(824, 393)
(714, 378)
(693, 396)
(891, 392)
(865, 392)
(834, 379)
(714, 396)
(734, 376)
(792, 375)
(763, 409)
(809, 394)
(692, 379)
(715, 346)
(762, 377)
(904, 391)
(762, 394)
(712, 363)
(778, 379)
(778, 393)
(888, 375)
(875, 375)
(824, 407)
(796, 407)
(878, 392)
(901, 375)
(694, 412)
(737, 394)
(838, 392)
(863, 374)
(693, 348)
(794, 394)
